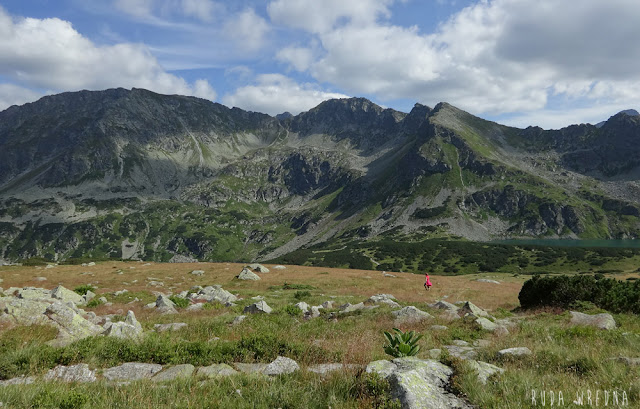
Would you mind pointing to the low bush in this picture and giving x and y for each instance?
(564, 291)
(83, 289)
(179, 302)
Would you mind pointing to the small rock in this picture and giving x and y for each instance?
(484, 370)
(484, 280)
(327, 305)
(20, 380)
(438, 328)
(302, 306)
(351, 307)
(117, 293)
(463, 353)
(279, 267)
(443, 305)
(237, 320)
(260, 307)
(460, 343)
(387, 299)
(435, 353)
(323, 369)
(259, 268)
(472, 309)
(174, 326)
(410, 314)
(280, 366)
(485, 324)
(198, 272)
(519, 351)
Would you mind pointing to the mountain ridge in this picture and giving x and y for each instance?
(107, 173)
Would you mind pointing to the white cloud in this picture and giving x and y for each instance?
(275, 93)
(248, 30)
(139, 8)
(51, 54)
(495, 56)
(11, 94)
(203, 10)
(300, 58)
(200, 9)
(321, 16)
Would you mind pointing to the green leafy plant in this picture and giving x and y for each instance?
(401, 343)
(83, 289)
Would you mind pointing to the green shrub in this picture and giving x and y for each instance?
(94, 303)
(292, 310)
(83, 289)
(563, 291)
(179, 302)
(401, 343)
(299, 295)
(373, 391)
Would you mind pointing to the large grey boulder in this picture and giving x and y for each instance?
(470, 308)
(71, 325)
(129, 329)
(131, 371)
(280, 366)
(27, 311)
(462, 352)
(485, 324)
(410, 314)
(247, 274)
(174, 372)
(73, 373)
(387, 299)
(214, 293)
(215, 370)
(302, 306)
(164, 305)
(64, 295)
(259, 268)
(261, 307)
(418, 384)
(33, 293)
(601, 321)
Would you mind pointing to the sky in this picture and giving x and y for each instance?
(548, 63)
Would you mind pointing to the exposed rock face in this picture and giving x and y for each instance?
(62, 294)
(71, 325)
(601, 321)
(131, 371)
(418, 383)
(75, 373)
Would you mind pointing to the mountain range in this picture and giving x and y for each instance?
(137, 175)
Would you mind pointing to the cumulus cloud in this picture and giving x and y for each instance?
(494, 56)
(275, 93)
(247, 29)
(322, 16)
(51, 54)
(11, 94)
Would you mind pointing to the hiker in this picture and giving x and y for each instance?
(427, 282)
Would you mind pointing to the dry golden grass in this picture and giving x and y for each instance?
(137, 276)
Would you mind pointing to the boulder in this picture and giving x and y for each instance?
(302, 306)
(484, 370)
(387, 299)
(279, 267)
(88, 296)
(131, 371)
(444, 305)
(351, 307)
(280, 366)
(247, 274)
(64, 295)
(214, 293)
(20, 380)
(198, 272)
(410, 314)
(73, 373)
(462, 352)
(33, 293)
(174, 372)
(418, 383)
(71, 325)
(250, 368)
(314, 312)
(260, 307)
(601, 321)
(485, 324)
(129, 329)
(259, 268)
(215, 370)
(327, 304)
(450, 315)
(27, 311)
(470, 308)
(164, 302)
(237, 320)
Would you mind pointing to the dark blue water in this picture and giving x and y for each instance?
(572, 243)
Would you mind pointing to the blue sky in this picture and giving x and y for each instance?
(549, 63)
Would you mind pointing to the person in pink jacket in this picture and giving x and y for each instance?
(427, 282)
